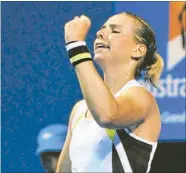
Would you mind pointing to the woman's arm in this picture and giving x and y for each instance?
(132, 106)
(64, 162)
(128, 108)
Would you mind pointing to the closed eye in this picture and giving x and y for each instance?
(114, 31)
(114, 28)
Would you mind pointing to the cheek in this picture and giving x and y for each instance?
(118, 46)
(121, 46)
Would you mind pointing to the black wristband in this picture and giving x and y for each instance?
(78, 52)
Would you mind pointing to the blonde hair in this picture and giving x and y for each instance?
(155, 70)
(152, 63)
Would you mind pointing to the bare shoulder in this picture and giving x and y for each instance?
(138, 93)
(140, 97)
(152, 122)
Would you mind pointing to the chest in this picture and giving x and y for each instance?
(88, 137)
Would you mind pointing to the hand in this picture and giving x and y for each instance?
(77, 29)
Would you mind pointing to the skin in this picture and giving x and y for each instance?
(134, 104)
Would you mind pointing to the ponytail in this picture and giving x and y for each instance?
(155, 70)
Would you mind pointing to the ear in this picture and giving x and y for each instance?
(139, 51)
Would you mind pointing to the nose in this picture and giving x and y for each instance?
(102, 33)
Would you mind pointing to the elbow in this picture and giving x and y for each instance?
(104, 122)
(106, 119)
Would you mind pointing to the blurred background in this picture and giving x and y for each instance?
(39, 86)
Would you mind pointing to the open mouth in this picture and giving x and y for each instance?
(102, 46)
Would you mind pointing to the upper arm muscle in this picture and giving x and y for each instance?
(133, 106)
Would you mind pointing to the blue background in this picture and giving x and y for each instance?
(39, 86)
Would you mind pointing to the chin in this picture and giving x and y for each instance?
(100, 55)
(100, 61)
(98, 58)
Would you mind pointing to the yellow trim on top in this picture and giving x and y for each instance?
(79, 57)
(79, 118)
(111, 133)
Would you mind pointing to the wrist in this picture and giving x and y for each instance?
(78, 52)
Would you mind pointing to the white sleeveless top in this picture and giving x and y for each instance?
(91, 147)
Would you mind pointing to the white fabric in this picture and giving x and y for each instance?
(75, 44)
(90, 147)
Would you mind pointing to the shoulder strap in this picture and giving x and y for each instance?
(113, 135)
(132, 83)
(79, 115)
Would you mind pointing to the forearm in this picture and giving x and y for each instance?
(99, 98)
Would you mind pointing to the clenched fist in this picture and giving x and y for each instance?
(77, 29)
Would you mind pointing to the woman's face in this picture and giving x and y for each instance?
(115, 41)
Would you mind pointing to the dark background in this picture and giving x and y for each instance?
(170, 157)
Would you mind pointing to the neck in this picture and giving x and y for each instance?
(117, 77)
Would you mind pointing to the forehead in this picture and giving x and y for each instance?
(121, 20)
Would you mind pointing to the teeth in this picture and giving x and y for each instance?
(100, 45)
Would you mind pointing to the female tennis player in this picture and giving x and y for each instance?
(115, 128)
